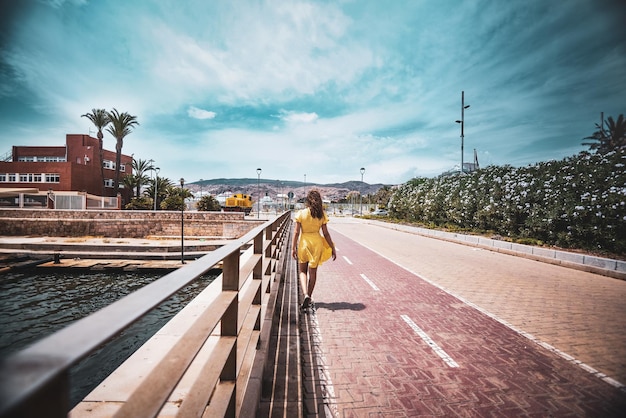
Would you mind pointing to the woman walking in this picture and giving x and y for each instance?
(309, 247)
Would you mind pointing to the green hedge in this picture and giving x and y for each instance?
(578, 202)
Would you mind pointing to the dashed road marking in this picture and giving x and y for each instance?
(347, 260)
(444, 356)
(371, 283)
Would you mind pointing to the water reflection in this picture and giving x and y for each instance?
(34, 304)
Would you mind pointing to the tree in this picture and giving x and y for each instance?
(100, 119)
(139, 177)
(139, 203)
(208, 204)
(609, 137)
(129, 181)
(164, 187)
(382, 196)
(176, 198)
(121, 125)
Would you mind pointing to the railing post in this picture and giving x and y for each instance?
(269, 249)
(230, 281)
(229, 326)
(258, 249)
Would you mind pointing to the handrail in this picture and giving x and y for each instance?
(35, 381)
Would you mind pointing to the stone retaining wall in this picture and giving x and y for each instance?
(122, 224)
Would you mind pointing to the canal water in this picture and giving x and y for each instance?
(34, 304)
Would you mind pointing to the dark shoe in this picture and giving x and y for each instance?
(306, 303)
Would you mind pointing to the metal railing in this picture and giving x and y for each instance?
(35, 381)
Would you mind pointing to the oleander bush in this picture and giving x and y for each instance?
(578, 202)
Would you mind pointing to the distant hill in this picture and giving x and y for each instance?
(272, 188)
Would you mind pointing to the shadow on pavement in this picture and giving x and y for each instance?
(336, 306)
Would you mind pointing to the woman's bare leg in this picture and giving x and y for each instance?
(312, 279)
(302, 274)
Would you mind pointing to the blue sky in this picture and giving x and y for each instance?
(315, 88)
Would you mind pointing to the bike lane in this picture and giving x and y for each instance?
(395, 345)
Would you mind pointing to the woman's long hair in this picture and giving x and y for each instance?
(314, 202)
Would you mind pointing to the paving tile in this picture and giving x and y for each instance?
(380, 366)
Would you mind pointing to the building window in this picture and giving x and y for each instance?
(52, 159)
(37, 178)
(3, 177)
(53, 178)
(12, 177)
(109, 183)
(47, 159)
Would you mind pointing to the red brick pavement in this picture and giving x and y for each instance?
(369, 315)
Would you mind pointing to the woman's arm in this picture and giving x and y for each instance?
(294, 244)
(329, 240)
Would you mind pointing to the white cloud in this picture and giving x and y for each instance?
(297, 117)
(197, 113)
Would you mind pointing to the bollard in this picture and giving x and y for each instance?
(57, 258)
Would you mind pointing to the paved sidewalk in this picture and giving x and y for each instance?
(396, 340)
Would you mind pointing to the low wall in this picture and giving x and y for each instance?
(122, 224)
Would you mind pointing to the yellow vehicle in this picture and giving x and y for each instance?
(238, 203)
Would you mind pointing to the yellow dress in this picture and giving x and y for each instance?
(312, 246)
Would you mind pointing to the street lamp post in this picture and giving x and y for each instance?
(182, 222)
(361, 194)
(277, 204)
(258, 193)
(201, 188)
(156, 185)
(462, 122)
(151, 161)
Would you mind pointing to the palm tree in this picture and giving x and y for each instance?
(609, 137)
(617, 132)
(139, 178)
(100, 119)
(129, 181)
(175, 199)
(121, 125)
(164, 188)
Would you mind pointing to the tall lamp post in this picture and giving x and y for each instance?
(462, 122)
(361, 194)
(277, 194)
(151, 161)
(258, 193)
(182, 222)
(151, 167)
(156, 185)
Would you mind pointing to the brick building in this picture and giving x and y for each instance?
(74, 167)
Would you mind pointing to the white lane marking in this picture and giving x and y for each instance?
(444, 356)
(347, 260)
(371, 283)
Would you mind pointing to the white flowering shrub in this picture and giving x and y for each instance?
(578, 202)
